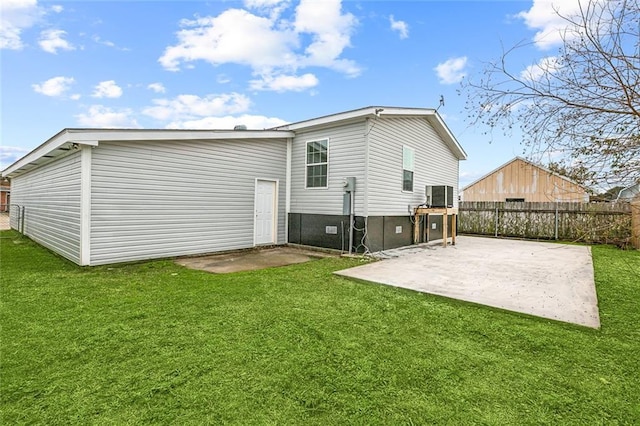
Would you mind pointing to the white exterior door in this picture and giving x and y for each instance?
(265, 212)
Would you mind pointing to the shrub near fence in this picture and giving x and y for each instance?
(585, 222)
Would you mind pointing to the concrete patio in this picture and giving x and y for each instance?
(548, 280)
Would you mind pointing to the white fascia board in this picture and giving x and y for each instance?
(358, 113)
(80, 135)
(92, 137)
(328, 119)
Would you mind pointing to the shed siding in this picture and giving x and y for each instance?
(172, 198)
(435, 164)
(50, 196)
(520, 179)
(346, 159)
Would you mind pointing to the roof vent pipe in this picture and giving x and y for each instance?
(240, 127)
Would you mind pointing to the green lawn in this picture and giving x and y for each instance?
(156, 343)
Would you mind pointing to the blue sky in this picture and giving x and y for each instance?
(215, 64)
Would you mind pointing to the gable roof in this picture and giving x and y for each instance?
(529, 163)
(630, 192)
(431, 115)
(69, 138)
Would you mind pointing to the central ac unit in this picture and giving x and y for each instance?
(439, 196)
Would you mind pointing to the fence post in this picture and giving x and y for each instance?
(21, 219)
(556, 233)
(496, 221)
(635, 224)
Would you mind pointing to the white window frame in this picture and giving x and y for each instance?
(408, 167)
(306, 164)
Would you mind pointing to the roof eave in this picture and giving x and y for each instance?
(63, 141)
(381, 111)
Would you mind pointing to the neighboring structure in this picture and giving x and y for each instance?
(97, 196)
(5, 195)
(629, 193)
(522, 180)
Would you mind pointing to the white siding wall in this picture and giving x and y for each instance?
(346, 159)
(50, 196)
(161, 199)
(435, 164)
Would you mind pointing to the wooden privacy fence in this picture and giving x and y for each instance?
(586, 222)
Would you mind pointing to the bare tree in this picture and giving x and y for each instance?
(582, 107)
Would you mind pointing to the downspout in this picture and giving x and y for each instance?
(365, 213)
(288, 189)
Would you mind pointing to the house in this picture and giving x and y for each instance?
(344, 181)
(629, 193)
(522, 180)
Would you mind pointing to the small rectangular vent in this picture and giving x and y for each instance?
(331, 230)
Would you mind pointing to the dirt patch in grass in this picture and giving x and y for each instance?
(251, 260)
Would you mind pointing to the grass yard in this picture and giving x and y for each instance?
(156, 343)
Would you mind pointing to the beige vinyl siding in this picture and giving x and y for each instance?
(171, 198)
(521, 179)
(346, 159)
(50, 196)
(435, 164)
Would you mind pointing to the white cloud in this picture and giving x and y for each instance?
(157, 87)
(223, 79)
(273, 47)
(452, 70)
(103, 117)
(107, 89)
(235, 36)
(222, 111)
(544, 16)
(192, 107)
(331, 31)
(57, 8)
(255, 122)
(55, 86)
(400, 26)
(544, 66)
(283, 83)
(52, 40)
(11, 154)
(99, 40)
(259, 4)
(272, 7)
(16, 16)
(265, 4)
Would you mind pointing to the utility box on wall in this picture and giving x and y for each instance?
(439, 196)
(349, 187)
(349, 184)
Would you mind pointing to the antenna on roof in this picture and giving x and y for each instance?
(441, 102)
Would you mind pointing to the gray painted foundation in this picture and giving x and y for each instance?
(383, 232)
